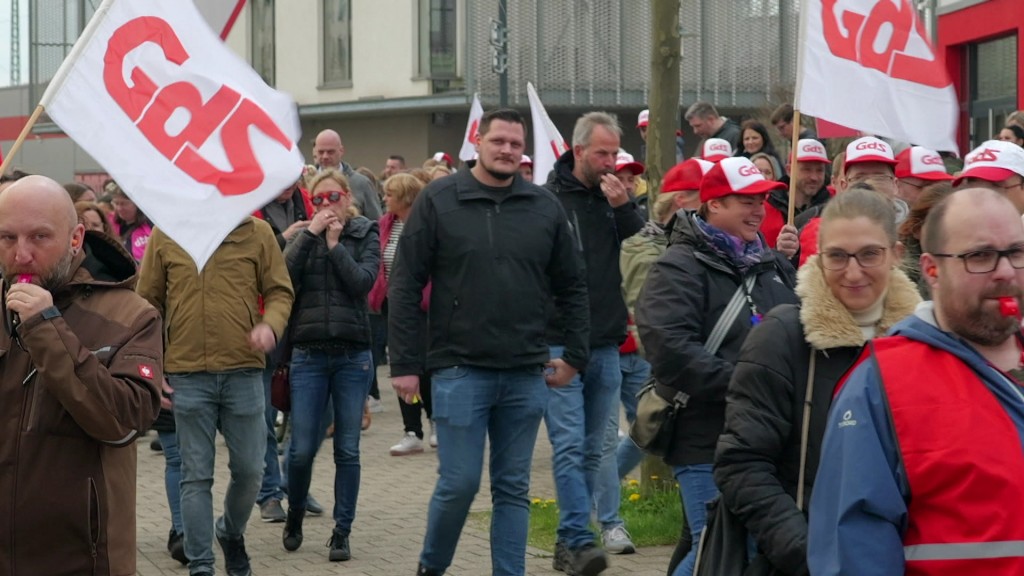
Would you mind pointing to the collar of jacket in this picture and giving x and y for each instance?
(828, 324)
(682, 230)
(780, 198)
(102, 262)
(563, 180)
(467, 187)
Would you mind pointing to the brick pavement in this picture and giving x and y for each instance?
(390, 518)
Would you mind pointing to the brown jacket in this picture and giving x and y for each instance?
(74, 395)
(208, 316)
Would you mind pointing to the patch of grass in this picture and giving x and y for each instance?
(652, 518)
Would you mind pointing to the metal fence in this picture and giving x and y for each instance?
(54, 25)
(735, 53)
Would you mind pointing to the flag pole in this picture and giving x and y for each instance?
(793, 165)
(21, 138)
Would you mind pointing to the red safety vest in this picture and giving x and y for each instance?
(964, 462)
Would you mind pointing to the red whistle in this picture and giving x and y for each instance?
(1008, 306)
(24, 279)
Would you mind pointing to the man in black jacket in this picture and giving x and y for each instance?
(497, 249)
(602, 216)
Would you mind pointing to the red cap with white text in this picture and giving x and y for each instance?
(921, 162)
(624, 160)
(736, 175)
(716, 150)
(641, 120)
(868, 149)
(685, 176)
(810, 150)
(993, 161)
(443, 157)
(525, 161)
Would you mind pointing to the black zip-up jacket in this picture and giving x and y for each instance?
(599, 231)
(686, 291)
(331, 286)
(496, 258)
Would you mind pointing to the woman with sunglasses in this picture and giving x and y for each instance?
(850, 292)
(332, 264)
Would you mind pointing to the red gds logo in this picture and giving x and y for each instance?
(150, 107)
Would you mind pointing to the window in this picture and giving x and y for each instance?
(263, 39)
(437, 25)
(337, 42)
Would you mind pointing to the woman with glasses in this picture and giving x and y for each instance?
(850, 292)
(333, 264)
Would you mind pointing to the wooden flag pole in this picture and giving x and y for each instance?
(793, 167)
(9, 157)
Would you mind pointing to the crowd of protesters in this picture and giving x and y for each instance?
(802, 347)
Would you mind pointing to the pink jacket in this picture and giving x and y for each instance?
(379, 292)
(137, 239)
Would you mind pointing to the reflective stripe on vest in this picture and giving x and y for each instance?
(967, 551)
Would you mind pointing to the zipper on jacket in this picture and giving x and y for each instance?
(30, 402)
(490, 228)
(576, 230)
(93, 520)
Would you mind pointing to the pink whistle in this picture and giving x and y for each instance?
(1008, 306)
(24, 279)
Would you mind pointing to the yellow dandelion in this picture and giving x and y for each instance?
(537, 500)
(634, 497)
(633, 483)
(550, 502)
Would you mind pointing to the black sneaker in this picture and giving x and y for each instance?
(156, 446)
(292, 537)
(563, 559)
(313, 508)
(176, 546)
(339, 547)
(589, 560)
(422, 570)
(236, 561)
(271, 511)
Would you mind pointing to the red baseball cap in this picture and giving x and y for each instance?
(716, 149)
(868, 149)
(641, 120)
(685, 176)
(810, 150)
(923, 163)
(993, 161)
(624, 160)
(443, 157)
(736, 175)
(525, 161)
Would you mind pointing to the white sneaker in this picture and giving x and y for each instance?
(433, 435)
(617, 541)
(409, 444)
(376, 406)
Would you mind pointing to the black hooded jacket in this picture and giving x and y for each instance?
(599, 230)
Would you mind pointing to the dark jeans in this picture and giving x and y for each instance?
(378, 346)
(271, 485)
(411, 412)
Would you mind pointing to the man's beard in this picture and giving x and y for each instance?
(978, 323)
(497, 175)
(52, 280)
(592, 177)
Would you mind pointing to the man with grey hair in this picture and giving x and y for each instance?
(328, 151)
(703, 118)
(602, 216)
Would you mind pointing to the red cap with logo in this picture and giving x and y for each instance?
(624, 161)
(641, 120)
(685, 176)
(868, 149)
(716, 150)
(443, 157)
(810, 150)
(735, 176)
(525, 161)
(921, 162)
(993, 161)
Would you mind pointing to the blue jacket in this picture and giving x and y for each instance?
(858, 511)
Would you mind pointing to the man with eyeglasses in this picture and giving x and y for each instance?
(996, 165)
(917, 168)
(922, 466)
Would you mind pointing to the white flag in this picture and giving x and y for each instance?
(220, 14)
(548, 144)
(476, 112)
(189, 131)
(868, 65)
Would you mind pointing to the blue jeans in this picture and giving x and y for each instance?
(316, 377)
(471, 405)
(697, 488)
(203, 403)
(578, 442)
(635, 373)
(172, 477)
(271, 485)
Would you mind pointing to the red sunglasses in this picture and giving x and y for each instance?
(331, 196)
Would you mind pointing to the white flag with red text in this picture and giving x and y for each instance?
(187, 129)
(548, 144)
(476, 112)
(220, 14)
(868, 65)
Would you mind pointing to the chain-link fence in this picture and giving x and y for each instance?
(54, 25)
(596, 53)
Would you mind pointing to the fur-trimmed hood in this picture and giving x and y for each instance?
(828, 324)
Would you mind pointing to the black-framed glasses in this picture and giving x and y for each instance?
(985, 261)
(332, 196)
(837, 260)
